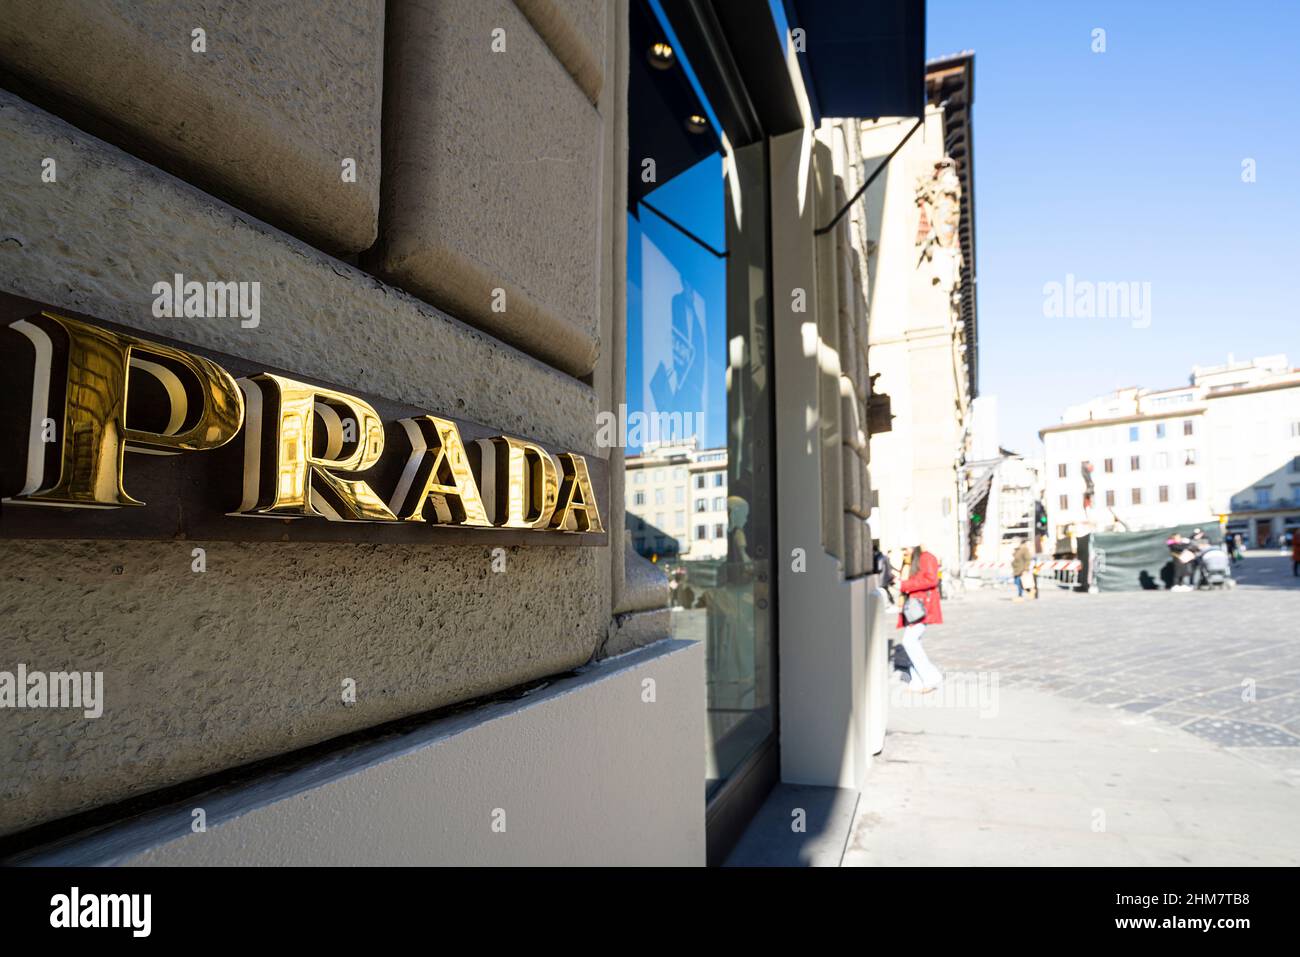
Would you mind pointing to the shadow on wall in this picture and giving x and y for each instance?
(1275, 491)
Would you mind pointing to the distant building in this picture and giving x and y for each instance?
(677, 502)
(1227, 444)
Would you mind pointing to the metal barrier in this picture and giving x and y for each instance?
(1064, 572)
(986, 573)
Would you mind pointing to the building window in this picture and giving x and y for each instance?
(1065, 502)
(718, 479)
(638, 498)
(1189, 427)
(679, 520)
(1133, 433)
(1163, 493)
(1137, 496)
(1110, 498)
(719, 504)
(1135, 463)
(659, 496)
(1189, 457)
(719, 531)
(1060, 470)
(1191, 491)
(699, 481)
(701, 532)
(1160, 430)
(1264, 496)
(1109, 465)
(701, 505)
(639, 477)
(1295, 464)
(679, 494)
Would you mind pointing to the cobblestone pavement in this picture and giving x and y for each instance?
(1125, 729)
(1224, 666)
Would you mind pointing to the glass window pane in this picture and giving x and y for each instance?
(697, 327)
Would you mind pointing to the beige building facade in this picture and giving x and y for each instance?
(923, 327)
(1224, 446)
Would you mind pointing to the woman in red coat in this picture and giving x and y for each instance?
(923, 584)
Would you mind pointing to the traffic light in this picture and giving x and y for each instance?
(1040, 518)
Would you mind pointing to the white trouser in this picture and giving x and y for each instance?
(923, 672)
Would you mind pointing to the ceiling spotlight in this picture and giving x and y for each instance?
(696, 123)
(661, 56)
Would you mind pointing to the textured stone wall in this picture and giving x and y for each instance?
(492, 208)
(245, 661)
(264, 114)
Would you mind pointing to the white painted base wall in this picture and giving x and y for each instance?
(583, 772)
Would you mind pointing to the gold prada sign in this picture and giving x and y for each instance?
(291, 450)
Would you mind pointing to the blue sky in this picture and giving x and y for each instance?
(1127, 166)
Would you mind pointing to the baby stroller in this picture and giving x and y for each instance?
(1216, 568)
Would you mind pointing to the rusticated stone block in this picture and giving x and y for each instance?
(491, 205)
(575, 32)
(203, 672)
(264, 116)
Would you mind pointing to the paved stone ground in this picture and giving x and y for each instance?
(1224, 666)
(1126, 728)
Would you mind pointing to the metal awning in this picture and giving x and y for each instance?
(863, 58)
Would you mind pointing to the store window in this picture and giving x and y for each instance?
(698, 322)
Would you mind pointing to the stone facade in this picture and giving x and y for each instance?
(496, 171)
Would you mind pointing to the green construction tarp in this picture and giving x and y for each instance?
(1133, 561)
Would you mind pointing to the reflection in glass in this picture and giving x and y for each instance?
(697, 388)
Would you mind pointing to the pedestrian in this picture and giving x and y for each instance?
(1020, 563)
(1184, 561)
(923, 586)
(886, 573)
(1295, 554)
